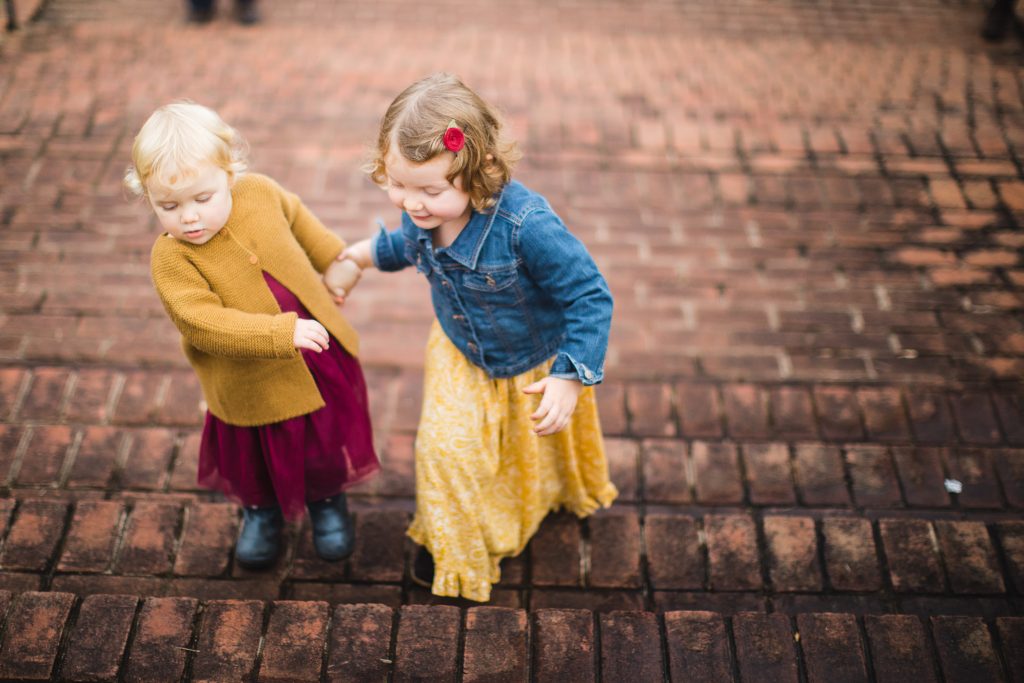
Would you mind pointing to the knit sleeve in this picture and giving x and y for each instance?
(320, 244)
(207, 324)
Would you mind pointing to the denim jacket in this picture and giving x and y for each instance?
(514, 289)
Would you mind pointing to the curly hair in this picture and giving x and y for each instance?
(176, 140)
(415, 124)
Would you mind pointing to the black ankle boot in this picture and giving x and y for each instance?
(334, 535)
(246, 12)
(423, 568)
(260, 541)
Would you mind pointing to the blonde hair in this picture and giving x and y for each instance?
(416, 122)
(177, 140)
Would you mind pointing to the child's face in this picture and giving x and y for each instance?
(423, 191)
(195, 212)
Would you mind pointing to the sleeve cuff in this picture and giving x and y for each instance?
(567, 367)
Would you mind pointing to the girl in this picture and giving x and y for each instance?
(238, 271)
(521, 312)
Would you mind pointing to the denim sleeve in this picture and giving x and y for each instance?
(388, 249)
(559, 263)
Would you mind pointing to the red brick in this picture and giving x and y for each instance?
(746, 411)
(148, 456)
(45, 395)
(563, 645)
(611, 404)
(45, 455)
(229, 639)
(913, 563)
(11, 437)
(91, 395)
(623, 456)
(792, 553)
(717, 473)
(833, 652)
(1010, 409)
(207, 540)
(698, 647)
(630, 647)
(850, 554)
(11, 381)
(427, 644)
(1009, 464)
(917, 256)
(971, 563)
(97, 457)
(182, 402)
(1011, 636)
(32, 541)
(1011, 537)
(873, 477)
(975, 418)
(649, 405)
(665, 472)
(965, 650)
(162, 640)
(360, 641)
(699, 411)
(32, 635)
(615, 549)
(555, 552)
(922, 477)
(973, 468)
(137, 402)
(99, 638)
(294, 643)
(764, 648)
(883, 414)
(769, 478)
(674, 556)
(379, 541)
(838, 414)
(149, 539)
(793, 413)
(732, 552)
(90, 540)
(899, 649)
(819, 475)
(495, 646)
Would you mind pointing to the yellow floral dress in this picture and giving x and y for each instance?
(484, 479)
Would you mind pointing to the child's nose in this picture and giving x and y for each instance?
(189, 216)
(412, 204)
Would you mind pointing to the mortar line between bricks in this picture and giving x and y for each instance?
(257, 660)
(393, 644)
(999, 648)
(798, 647)
(460, 644)
(865, 647)
(46, 578)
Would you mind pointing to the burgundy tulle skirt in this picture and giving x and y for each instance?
(304, 458)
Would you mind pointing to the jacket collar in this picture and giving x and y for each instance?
(466, 248)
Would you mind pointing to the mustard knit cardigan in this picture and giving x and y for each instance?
(233, 331)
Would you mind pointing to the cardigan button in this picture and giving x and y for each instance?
(253, 260)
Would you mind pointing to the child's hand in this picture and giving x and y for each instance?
(340, 277)
(557, 405)
(309, 334)
(358, 252)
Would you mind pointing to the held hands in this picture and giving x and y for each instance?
(341, 276)
(557, 404)
(309, 334)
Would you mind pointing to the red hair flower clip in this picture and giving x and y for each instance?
(453, 139)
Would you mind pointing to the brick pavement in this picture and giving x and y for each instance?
(809, 214)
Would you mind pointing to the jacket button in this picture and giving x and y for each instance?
(490, 280)
(471, 346)
(444, 283)
(588, 374)
(456, 316)
(253, 260)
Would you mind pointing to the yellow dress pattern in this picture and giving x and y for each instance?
(484, 480)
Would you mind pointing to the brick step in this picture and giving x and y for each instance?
(113, 461)
(61, 636)
(693, 409)
(622, 558)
